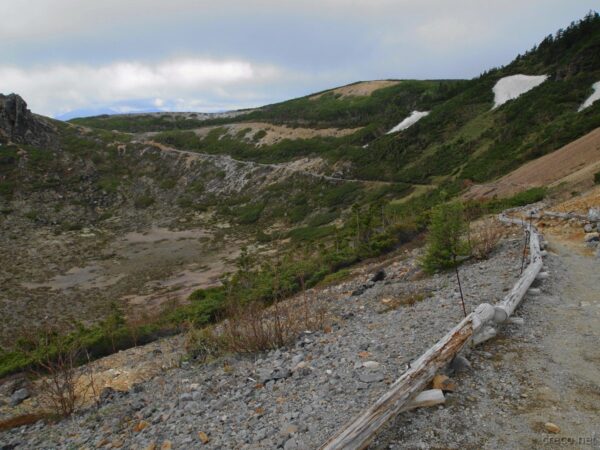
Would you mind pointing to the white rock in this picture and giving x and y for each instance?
(371, 364)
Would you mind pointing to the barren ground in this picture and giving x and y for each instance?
(575, 164)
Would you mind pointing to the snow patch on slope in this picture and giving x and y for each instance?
(592, 98)
(511, 87)
(414, 117)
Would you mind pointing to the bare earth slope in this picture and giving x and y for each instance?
(573, 163)
(362, 89)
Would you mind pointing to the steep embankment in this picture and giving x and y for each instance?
(574, 165)
(294, 397)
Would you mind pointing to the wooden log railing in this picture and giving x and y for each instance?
(477, 327)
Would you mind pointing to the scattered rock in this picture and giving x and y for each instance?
(19, 396)
(203, 437)
(517, 320)
(186, 397)
(379, 276)
(371, 365)
(444, 383)
(371, 377)
(552, 428)
(460, 364)
(592, 237)
(140, 426)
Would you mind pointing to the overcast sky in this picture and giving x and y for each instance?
(81, 57)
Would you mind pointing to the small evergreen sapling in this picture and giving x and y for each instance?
(446, 240)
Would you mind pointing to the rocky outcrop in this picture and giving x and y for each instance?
(19, 125)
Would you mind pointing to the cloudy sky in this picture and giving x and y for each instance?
(76, 57)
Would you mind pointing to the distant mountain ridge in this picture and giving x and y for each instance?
(19, 125)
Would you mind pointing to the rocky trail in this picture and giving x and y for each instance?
(281, 169)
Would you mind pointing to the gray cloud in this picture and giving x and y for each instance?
(73, 54)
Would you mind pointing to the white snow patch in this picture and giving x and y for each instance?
(509, 88)
(592, 98)
(414, 117)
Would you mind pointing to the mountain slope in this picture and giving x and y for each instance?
(144, 215)
(463, 138)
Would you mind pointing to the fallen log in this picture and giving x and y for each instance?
(425, 399)
(510, 302)
(360, 431)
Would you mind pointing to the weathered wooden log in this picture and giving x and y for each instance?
(487, 332)
(516, 294)
(357, 433)
(542, 276)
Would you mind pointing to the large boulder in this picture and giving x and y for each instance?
(19, 125)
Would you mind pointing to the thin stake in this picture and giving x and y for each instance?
(462, 299)
(524, 250)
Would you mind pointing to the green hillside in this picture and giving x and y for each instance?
(461, 139)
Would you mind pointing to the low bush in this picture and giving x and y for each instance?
(249, 214)
(254, 328)
(484, 238)
(202, 343)
(597, 178)
(143, 201)
(407, 299)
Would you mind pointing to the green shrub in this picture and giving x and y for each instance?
(445, 239)
(323, 219)
(259, 135)
(597, 178)
(109, 184)
(310, 233)
(249, 214)
(168, 183)
(7, 188)
(143, 201)
(336, 277)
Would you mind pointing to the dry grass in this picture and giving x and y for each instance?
(253, 328)
(484, 237)
(61, 387)
(408, 299)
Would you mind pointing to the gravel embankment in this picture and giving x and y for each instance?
(294, 398)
